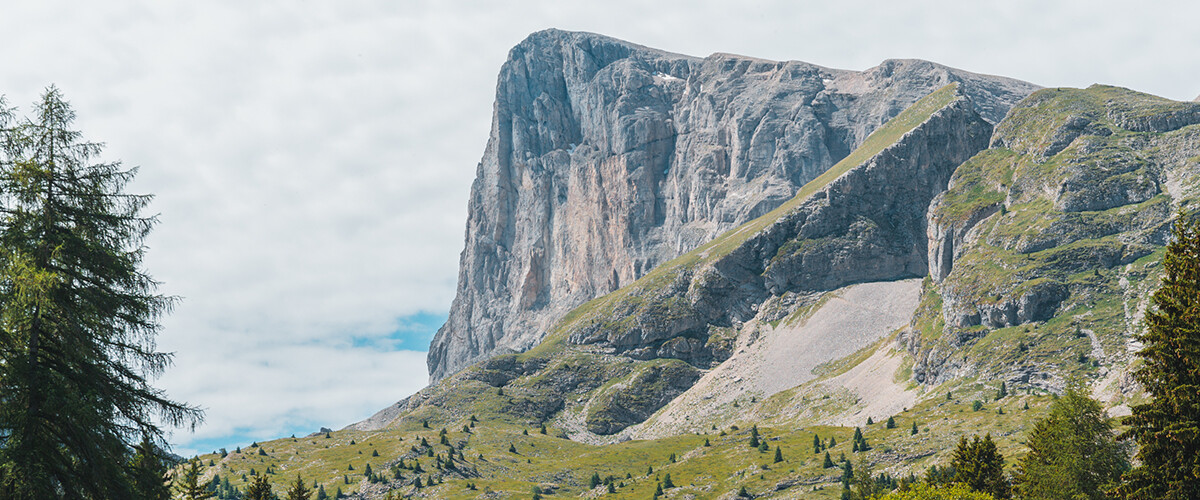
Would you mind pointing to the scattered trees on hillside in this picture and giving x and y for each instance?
(1167, 428)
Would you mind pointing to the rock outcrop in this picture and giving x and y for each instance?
(866, 223)
(607, 159)
(1043, 234)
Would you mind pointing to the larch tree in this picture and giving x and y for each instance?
(1073, 452)
(1167, 428)
(78, 315)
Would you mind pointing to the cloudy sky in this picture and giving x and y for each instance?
(311, 160)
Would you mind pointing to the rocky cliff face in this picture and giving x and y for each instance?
(1043, 248)
(607, 158)
(615, 361)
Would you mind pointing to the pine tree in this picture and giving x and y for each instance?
(79, 314)
(594, 480)
(260, 489)
(149, 472)
(828, 464)
(914, 429)
(190, 487)
(321, 495)
(1072, 452)
(1000, 394)
(980, 466)
(1167, 428)
(778, 455)
(816, 444)
(860, 443)
(667, 483)
(298, 491)
(891, 423)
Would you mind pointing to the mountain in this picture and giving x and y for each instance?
(944, 257)
(607, 158)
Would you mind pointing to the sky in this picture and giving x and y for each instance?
(311, 161)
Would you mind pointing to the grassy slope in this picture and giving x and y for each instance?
(1097, 303)
(564, 466)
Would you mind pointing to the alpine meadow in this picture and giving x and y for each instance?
(721, 277)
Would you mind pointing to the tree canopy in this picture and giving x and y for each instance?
(1167, 428)
(78, 315)
(1073, 452)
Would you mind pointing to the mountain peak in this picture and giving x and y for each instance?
(608, 158)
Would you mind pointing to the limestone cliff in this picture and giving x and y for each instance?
(607, 158)
(1045, 246)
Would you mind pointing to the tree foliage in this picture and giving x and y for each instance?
(1072, 452)
(979, 465)
(260, 489)
(1167, 428)
(78, 315)
(298, 490)
(190, 487)
(937, 492)
(148, 471)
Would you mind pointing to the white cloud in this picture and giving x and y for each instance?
(312, 160)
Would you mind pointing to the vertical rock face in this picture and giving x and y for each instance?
(606, 159)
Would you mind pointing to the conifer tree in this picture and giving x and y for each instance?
(594, 480)
(1002, 392)
(149, 472)
(828, 464)
(321, 495)
(816, 444)
(1072, 452)
(190, 487)
(298, 491)
(980, 466)
(891, 423)
(667, 483)
(778, 454)
(1167, 428)
(914, 429)
(78, 314)
(260, 489)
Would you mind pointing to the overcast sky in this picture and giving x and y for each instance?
(311, 161)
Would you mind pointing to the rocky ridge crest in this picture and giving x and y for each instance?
(607, 159)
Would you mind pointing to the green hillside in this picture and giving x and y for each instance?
(1056, 233)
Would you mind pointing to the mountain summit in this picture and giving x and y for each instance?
(712, 278)
(607, 158)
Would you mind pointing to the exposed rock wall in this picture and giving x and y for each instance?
(606, 159)
(1058, 219)
(866, 225)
